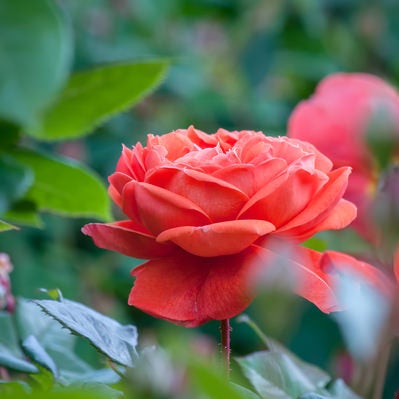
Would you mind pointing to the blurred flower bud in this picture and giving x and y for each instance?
(7, 301)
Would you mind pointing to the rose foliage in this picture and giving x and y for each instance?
(211, 212)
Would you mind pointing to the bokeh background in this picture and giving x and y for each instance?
(236, 64)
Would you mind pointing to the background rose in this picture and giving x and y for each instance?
(208, 210)
(345, 112)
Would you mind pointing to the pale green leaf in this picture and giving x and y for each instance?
(65, 187)
(116, 341)
(277, 375)
(11, 355)
(93, 96)
(35, 53)
(4, 226)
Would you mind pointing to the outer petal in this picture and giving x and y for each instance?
(339, 217)
(301, 268)
(128, 239)
(117, 182)
(321, 204)
(224, 238)
(220, 200)
(191, 290)
(159, 209)
(339, 265)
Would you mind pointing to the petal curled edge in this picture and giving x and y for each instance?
(217, 239)
(128, 239)
(190, 290)
(159, 209)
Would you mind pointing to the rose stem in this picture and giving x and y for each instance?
(225, 336)
(381, 370)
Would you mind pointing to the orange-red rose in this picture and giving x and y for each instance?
(337, 119)
(207, 212)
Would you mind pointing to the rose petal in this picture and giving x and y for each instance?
(251, 178)
(191, 290)
(159, 209)
(301, 268)
(340, 265)
(339, 217)
(224, 238)
(287, 200)
(128, 239)
(322, 203)
(117, 182)
(220, 200)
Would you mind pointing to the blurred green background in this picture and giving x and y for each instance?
(236, 64)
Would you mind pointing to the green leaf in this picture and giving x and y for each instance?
(317, 375)
(108, 336)
(59, 344)
(245, 392)
(93, 96)
(213, 383)
(336, 390)
(38, 354)
(24, 212)
(14, 388)
(11, 355)
(9, 134)
(15, 180)
(65, 187)
(276, 375)
(35, 53)
(4, 226)
(339, 390)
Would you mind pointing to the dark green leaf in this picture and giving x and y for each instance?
(24, 212)
(65, 187)
(15, 180)
(108, 336)
(9, 134)
(93, 96)
(35, 53)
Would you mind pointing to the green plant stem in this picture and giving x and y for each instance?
(225, 330)
(381, 370)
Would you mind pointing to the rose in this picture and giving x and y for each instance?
(210, 211)
(346, 114)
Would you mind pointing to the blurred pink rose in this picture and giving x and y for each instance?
(337, 119)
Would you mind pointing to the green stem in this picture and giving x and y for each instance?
(225, 330)
(381, 370)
